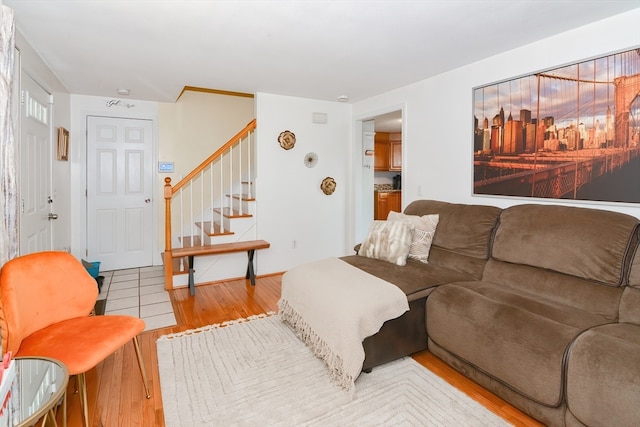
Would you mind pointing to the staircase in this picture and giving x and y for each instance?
(210, 213)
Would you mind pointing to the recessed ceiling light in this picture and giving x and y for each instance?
(343, 98)
(124, 92)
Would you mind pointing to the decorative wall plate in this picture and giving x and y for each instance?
(328, 186)
(311, 160)
(287, 139)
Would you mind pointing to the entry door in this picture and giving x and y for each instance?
(119, 193)
(35, 168)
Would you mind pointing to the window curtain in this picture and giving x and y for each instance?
(8, 185)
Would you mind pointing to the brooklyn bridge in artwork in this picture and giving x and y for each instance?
(568, 133)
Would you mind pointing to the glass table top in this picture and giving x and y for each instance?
(38, 386)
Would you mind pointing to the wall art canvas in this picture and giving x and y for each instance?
(571, 132)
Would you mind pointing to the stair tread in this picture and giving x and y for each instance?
(220, 248)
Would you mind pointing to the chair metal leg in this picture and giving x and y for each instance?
(84, 401)
(136, 346)
(64, 409)
(49, 415)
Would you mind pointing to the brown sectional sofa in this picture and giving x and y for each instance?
(538, 303)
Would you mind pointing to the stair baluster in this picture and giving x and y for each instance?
(221, 203)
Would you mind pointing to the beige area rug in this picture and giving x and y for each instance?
(256, 372)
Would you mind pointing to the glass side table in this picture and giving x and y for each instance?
(39, 385)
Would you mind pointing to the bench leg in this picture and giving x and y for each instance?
(192, 286)
(250, 273)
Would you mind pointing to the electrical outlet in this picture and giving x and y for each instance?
(294, 244)
(419, 190)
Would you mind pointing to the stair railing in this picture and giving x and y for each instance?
(221, 166)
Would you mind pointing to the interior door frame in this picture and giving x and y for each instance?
(83, 106)
(359, 218)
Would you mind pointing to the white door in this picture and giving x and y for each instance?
(35, 168)
(119, 192)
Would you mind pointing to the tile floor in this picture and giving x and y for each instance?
(138, 292)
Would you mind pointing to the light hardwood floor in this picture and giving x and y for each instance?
(115, 388)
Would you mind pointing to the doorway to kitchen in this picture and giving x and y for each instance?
(387, 170)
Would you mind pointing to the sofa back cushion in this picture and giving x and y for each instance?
(634, 274)
(630, 302)
(586, 243)
(463, 235)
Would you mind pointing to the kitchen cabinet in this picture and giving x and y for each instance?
(395, 156)
(388, 151)
(386, 201)
(381, 151)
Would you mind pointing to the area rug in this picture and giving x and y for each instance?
(256, 372)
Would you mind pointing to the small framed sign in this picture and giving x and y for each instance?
(63, 144)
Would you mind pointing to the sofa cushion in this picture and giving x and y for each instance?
(388, 241)
(424, 227)
(563, 289)
(630, 301)
(517, 338)
(462, 239)
(415, 279)
(603, 376)
(589, 243)
(634, 272)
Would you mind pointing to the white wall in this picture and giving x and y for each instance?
(61, 176)
(202, 122)
(290, 205)
(437, 120)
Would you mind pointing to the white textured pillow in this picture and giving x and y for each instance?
(388, 241)
(424, 227)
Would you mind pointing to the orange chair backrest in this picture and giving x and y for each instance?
(40, 289)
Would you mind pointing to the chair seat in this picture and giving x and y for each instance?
(83, 342)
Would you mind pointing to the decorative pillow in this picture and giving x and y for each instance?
(424, 227)
(388, 241)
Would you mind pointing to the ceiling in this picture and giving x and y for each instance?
(311, 49)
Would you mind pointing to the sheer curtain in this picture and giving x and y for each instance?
(8, 185)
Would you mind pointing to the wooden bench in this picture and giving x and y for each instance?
(249, 246)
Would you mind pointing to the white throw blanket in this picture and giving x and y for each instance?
(333, 306)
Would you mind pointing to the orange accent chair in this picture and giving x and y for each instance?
(46, 299)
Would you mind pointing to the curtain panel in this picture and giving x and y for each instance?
(8, 184)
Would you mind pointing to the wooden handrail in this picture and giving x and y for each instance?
(248, 128)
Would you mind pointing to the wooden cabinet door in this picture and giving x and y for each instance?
(381, 206)
(394, 202)
(395, 154)
(381, 151)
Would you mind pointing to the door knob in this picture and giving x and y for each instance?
(147, 200)
(52, 216)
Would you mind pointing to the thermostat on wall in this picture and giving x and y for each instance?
(165, 167)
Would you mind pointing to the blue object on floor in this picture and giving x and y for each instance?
(92, 267)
